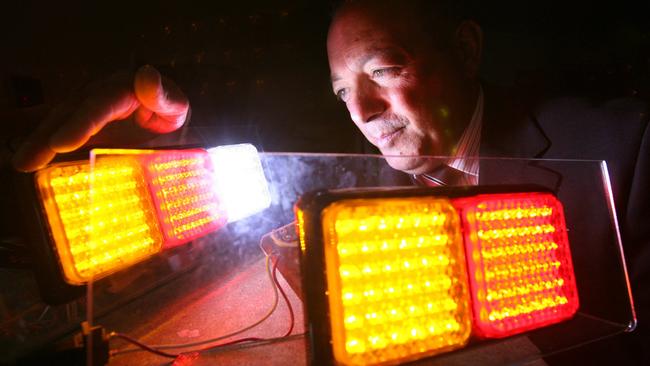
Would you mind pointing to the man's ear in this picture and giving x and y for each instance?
(469, 46)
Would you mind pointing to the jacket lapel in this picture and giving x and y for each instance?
(510, 130)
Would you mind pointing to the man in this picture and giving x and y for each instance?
(408, 75)
(405, 98)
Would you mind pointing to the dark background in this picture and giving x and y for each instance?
(256, 71)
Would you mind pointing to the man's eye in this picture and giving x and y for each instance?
(342, 95)
(386, 72)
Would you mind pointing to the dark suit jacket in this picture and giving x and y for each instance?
(616, 131)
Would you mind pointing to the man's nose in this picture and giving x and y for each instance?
(366, 102)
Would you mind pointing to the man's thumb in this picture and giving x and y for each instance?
(162, 97)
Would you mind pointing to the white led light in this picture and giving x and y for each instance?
(240, 181)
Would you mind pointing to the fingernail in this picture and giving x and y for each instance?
(148, 71)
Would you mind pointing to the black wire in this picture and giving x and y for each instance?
(286, 299)
(144, 346)
(223, 345)
(250, 339)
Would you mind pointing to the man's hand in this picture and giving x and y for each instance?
(148, 100)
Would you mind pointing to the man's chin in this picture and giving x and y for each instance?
(413, 165)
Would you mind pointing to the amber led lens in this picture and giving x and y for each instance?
(100, 230)
(519, 262)
(396, 279)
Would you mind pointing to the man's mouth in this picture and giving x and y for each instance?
(386, 139)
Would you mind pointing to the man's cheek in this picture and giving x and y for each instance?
(366, 135)
(413, 102)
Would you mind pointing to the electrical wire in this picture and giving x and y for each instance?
(284, 295)
(269, 272)
(156, 349)
(289, 307)
(141, 345)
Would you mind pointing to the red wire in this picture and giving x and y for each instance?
(286, 299)
(250, 339)
(242, 340)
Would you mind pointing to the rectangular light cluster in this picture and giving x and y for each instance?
(97, 232)
(182, 187)
(241, 182)
(409, 277)
(396, 277)
(128, 205)
(520, 263)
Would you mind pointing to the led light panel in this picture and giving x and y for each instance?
(100, 230)
(396, 279)
(519, 262)
(240, 180)
(182, 186)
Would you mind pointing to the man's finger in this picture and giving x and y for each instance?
(161, 107)
(94, 113)
(163, 98)
(34, 152)
(32, 155)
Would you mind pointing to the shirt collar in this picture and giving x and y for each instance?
(469, 142)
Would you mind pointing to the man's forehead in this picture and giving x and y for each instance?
(367, 30)
(356, 58)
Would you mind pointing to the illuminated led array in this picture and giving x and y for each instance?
(519, 262)
(101, 229)
(240, 180)
(182, 185)
(396, 279)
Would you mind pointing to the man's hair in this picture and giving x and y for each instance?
(438, 18)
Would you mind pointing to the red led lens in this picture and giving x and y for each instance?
(182, 185)
(519, 262)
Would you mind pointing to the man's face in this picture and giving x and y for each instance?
(405, 95)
